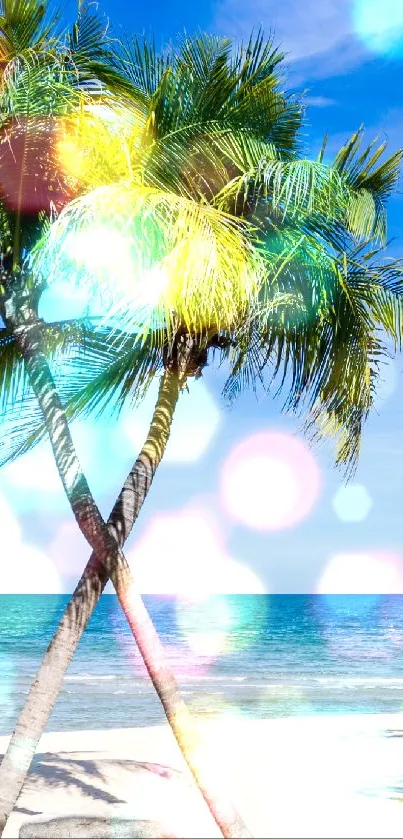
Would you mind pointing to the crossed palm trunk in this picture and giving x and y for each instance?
(107, 561)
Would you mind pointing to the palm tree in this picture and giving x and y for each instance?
(26, 99)
(268, 176)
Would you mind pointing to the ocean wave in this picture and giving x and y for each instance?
(91, 677)
(190, 677)
(361, 681)
(242, 682)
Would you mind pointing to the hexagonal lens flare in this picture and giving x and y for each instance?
(352, 503)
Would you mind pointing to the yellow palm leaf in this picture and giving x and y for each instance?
(157, 255)
(98, 144)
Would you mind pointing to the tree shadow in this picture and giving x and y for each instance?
(64, 770)
(59, 772)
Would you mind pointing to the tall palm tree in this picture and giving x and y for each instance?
(22, 321)
(283, 185)
(28, 110)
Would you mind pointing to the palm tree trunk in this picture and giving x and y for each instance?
(106, 561)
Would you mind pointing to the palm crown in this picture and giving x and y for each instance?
(194, 170)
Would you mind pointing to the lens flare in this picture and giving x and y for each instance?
(31, 177)
(220, 624)
(184, 553)
(110, 257)
(93, 145)
(175, 555)
(379, 25)
(214, 706)
(35, 474)
(282, 700)
(63, 301)
(270, 481)
(372, 573)
(352, 503)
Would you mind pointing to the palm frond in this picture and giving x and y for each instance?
(328, 345)
(93, 369)
(138, 61)
(241, 89)
(370, 185)
(19, 410)
(27, 25)
(88, 36)
(171, 260)
(108, 372)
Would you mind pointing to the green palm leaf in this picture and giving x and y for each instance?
(26, 25)
(327, 349)
(371, 185)
(92, 368)
(186, 263)
(20, 414)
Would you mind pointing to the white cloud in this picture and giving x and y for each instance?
(10, 528)
(69, 552)
(318, 36)
(25, 569)
(34, 471)
(319, 101)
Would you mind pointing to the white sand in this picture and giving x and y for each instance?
(298, 777)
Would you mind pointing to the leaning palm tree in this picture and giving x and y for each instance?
(25, 99)
(281, 189)
(233, 244)
(205, 229)
(218, 234)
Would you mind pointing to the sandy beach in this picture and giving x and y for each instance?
(291, 777)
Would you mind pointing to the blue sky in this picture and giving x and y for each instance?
(253, 508)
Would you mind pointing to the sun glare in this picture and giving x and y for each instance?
(221, 624)
(108, 256)
(379, 25)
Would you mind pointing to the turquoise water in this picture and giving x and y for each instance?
(254, 655)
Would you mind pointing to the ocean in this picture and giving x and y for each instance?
(256, 656)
